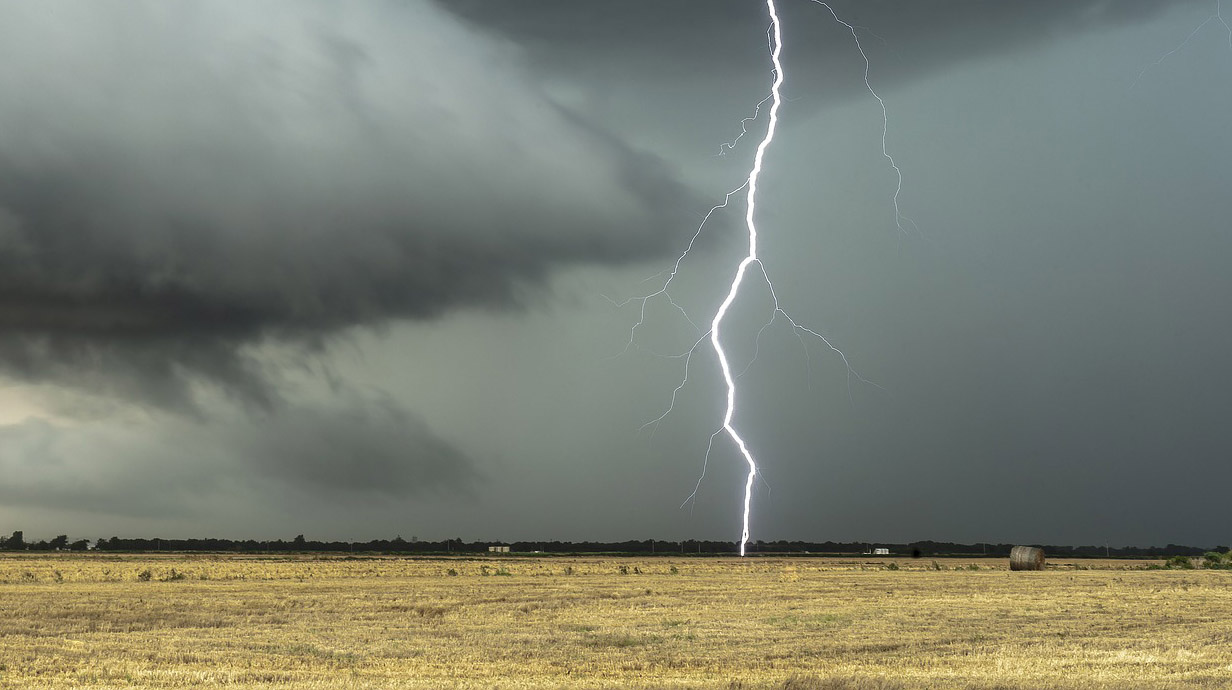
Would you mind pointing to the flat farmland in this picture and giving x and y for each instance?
(176, 621)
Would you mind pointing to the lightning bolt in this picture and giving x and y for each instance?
(716, 324)
(751, 259)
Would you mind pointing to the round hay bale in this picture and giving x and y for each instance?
(1026, 558)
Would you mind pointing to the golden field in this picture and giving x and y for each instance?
(176, 621)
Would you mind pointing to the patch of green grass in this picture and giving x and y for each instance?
(1182, 562)
(1216, 561)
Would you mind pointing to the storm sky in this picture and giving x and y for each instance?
(361, 270)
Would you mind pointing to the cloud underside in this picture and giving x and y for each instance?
(350, 450)
(192, 179)
(713, 34)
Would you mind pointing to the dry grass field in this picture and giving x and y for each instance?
(106, 621)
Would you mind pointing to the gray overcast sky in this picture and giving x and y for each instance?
(349, 270)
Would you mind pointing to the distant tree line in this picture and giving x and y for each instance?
(17, 542)
(647, 547)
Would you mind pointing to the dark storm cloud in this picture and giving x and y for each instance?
(368, 448)
(664, 54)
(712, 36)
(180, 181)
(177, 184)
(349, 449)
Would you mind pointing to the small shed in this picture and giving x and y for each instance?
(498, 549)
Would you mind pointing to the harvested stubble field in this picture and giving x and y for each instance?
(108, 621)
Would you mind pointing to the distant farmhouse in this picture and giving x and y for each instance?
(881, 551)
(498, 549)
